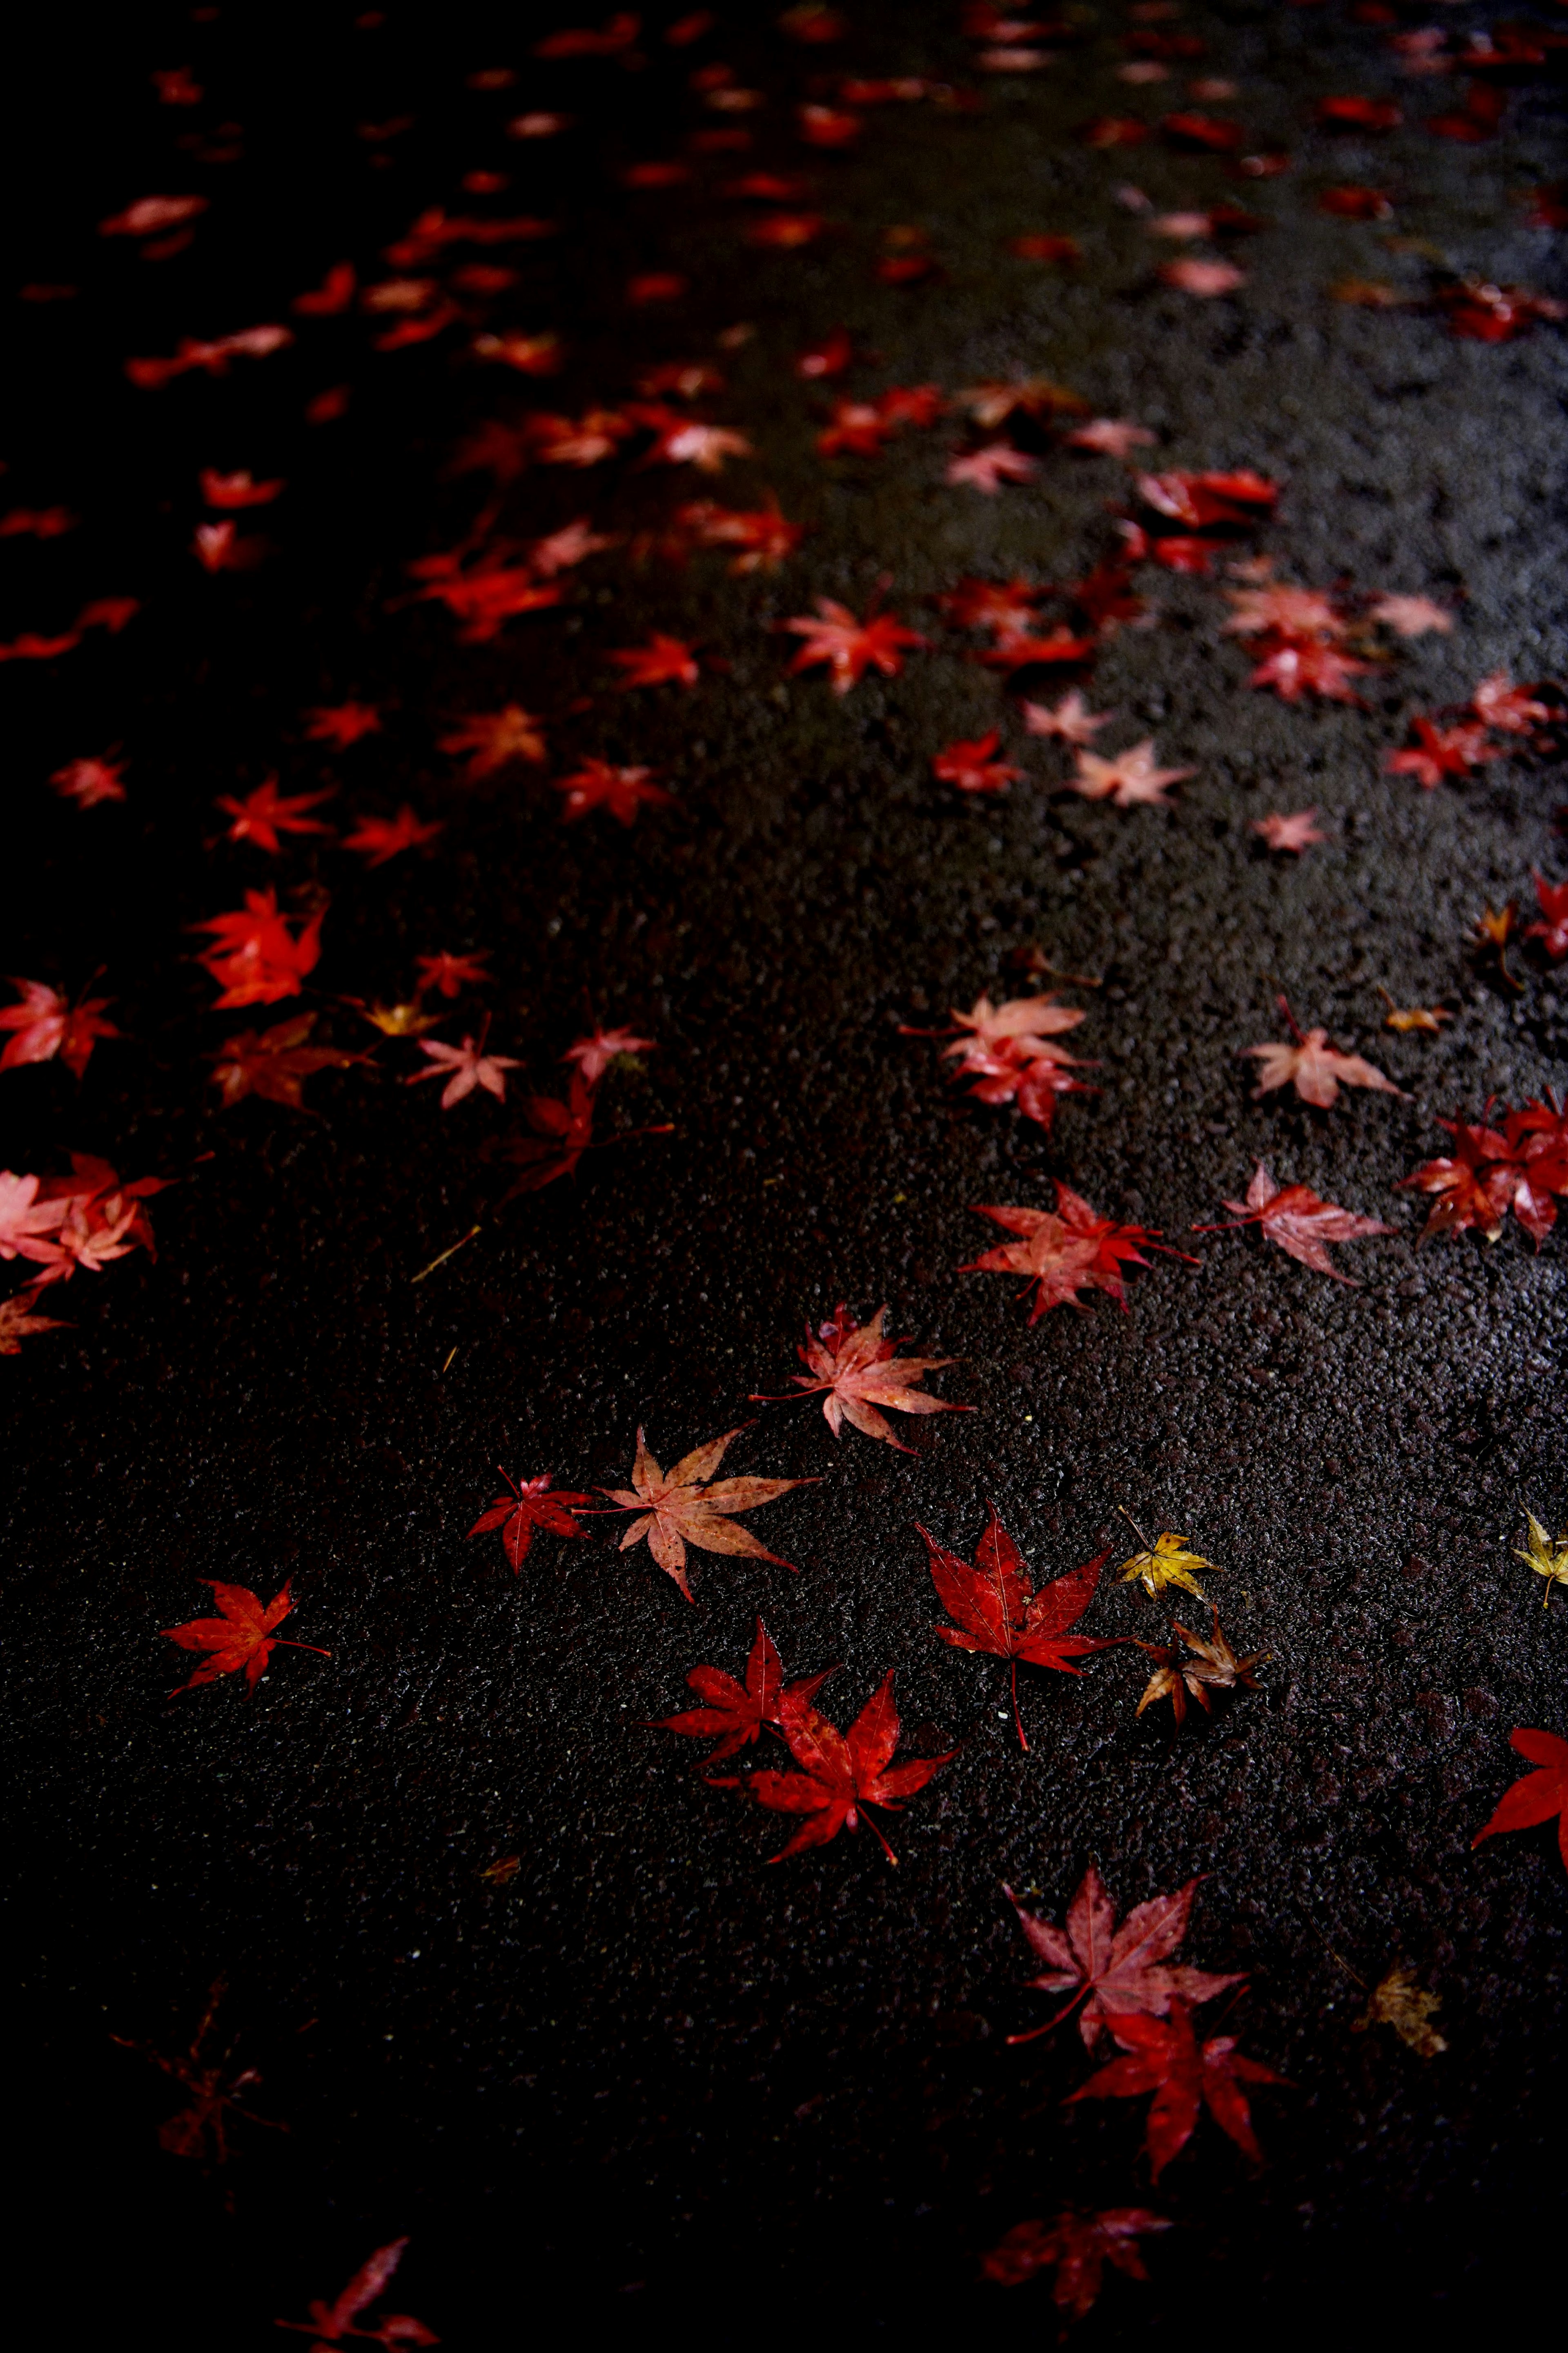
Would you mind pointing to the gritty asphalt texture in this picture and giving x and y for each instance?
(648, 2072)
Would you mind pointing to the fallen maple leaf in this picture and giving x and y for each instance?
(1212, 1665)
(1296, 614)
(620, 791)
(734, 1712)
(1115, 1970)
(1299, 831)
(1294, 668)
(678, 1508)
(986, 469)
(1535, 1797)
(255, 957)
(330, 2323)
(449, 973)
(1547, 1557)
(998, 1611)
(238, 490)
(1429, 1017)
(1299, 1223)
(1071, 720)
(663, 661)
(849, 646)
(18, 1322)
(377, 839)
(211, 2088)
(856, 1365)
(842, 1773)
(1078, 2246)
(274, 1063)
(1164, 2057)
(1398, 2001)
(1206, 279)
(240, 1637)
(47, 1027)
(1512, 710)
(563, 1132)
(1111, 437)
(342, 723)
(1552, 929)
(90, 782)
(972, 766)
(495, 739)
(1066, 1251)
(1442, 752)
(1314, 1068)
(594, 1055)
(266, 813)
(1411, 616)
(1164, 1562)
(1129, 779)
(465, 1067)
(529, 1507)
(1488, 1173)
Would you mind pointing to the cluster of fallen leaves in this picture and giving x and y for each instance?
(1304, 642)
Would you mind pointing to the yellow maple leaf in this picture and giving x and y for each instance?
(1398, 2001)
(1547, 1555)
(1166, 1562)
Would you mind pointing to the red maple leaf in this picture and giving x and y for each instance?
(1358, 114)
(255, 957)
(1512, 710)
(239, 489)
(1004, 606)
(1066, 1251)
(736, 1713)
(450, 972)
(529, 1507)
(1201, 501)
(1060, 644)
(1078, 2246)
(84, 1220)
(342, 723)
(1164, 2057)
(240, 1637)
(679, 1506)
(1113, 1971)
(45, 1026)
(495, 739)
(563, 1132)
(1315, 1069)
(1535, 1797)
(849, 646)
(330, 2323)
(1292, 668)
(1490, 1172)
(1299, 1222)
(266, 813)
(664, 660)
(274, 1063)
(1552, 931)
(973, 767)
(17, 1321)
(842, 1773)
(1442, 752)
(762, 534)
(620, 791)
(857, 1367)
(594, 1055)
(998, 1610)
(377, 839)
(89, 782)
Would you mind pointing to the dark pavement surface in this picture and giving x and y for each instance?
(646, 2063)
